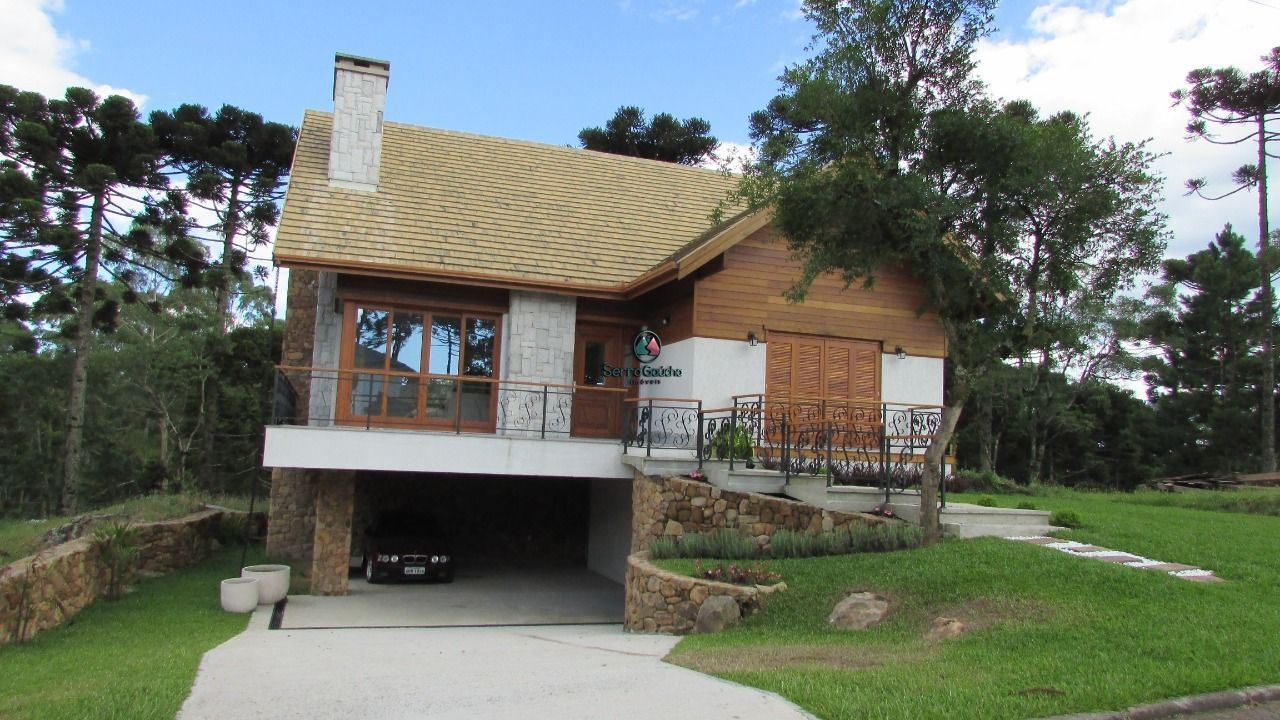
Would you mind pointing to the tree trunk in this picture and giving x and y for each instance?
(79, 377)
(222, 294)
(165, 483)
(931, 478)
(1268, 332)
(986, 438)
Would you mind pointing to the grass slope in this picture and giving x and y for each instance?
(1052, 634)
(133, 658)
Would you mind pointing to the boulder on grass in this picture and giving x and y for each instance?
(945, 628)
(859, 611)
(717, 613)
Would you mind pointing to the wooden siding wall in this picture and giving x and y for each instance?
(747, 295)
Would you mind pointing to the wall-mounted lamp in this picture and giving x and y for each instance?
(902, 354)
(751, 338)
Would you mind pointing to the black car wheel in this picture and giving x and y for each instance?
(369, 573)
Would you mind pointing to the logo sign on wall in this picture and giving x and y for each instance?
(647, 346)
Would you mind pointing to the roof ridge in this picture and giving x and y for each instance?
(567, 149)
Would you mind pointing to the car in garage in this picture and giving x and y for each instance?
(407, 546)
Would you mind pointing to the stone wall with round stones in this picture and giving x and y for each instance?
(674, 506)
(658, 601)
(44, 590)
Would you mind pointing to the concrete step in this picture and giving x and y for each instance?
(965, 514)
(973, 530)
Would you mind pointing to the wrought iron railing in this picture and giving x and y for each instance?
(459, 403)
(662, 423)
(849, 442)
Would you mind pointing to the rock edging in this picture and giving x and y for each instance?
(43, 590)
(1222, 700)
(667, 603)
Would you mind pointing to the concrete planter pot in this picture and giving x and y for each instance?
(273, 582)
(239, 595)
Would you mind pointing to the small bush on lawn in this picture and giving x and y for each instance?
(753, 574)
(985, 481)
(1027, 505)
(885, 538)
(1066, 519)
(986, 501)
(117, 546)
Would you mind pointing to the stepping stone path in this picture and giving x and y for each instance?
(1079, 549)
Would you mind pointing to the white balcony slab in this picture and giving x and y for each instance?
(339, 448)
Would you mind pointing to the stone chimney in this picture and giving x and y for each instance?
(359, 97)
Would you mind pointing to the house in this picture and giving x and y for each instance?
(503, 333)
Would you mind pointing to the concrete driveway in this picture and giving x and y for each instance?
(525, 673)
(480, 596)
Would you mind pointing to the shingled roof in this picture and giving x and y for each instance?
(471, 206)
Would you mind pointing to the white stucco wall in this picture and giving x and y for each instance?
(714, 371)
(609, 533)
(914, 380)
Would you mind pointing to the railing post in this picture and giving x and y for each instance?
(457, 407)
(732, 437)
(884, 450)
(544, 412)
(786, 446)
(826, 424)
(648, 432)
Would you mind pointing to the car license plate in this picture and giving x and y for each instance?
(415, 571)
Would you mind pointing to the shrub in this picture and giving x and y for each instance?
(1027, 505)
(985, 481)
(724, 544)
(234, 529)
(735, 440)
(986, 501)
(885, 537)
(754, 574)
(1066, 518)
(664, 548)
(117, 546)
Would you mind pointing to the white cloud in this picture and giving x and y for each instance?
(34, 56)
(1118, 62)
(731, 156)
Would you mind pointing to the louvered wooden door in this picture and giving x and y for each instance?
(806, 368)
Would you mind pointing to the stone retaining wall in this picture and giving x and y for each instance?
(663, 602)
(59, 582)
(674, 506)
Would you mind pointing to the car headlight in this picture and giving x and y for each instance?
(444, 558)
(383, 558)
(395, 558)
(435, 558)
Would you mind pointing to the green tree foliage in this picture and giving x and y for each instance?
(1207, 380)
(665, 138)
(91, 201)
(1246, 109)
(881, 150)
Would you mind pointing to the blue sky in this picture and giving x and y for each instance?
(544, 70)
(534, 70)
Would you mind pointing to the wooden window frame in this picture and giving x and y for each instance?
(346, 364)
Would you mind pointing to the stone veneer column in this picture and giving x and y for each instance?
(327, 332)
(300, 333)
(539, 338)
(292, 522)
(335, 503)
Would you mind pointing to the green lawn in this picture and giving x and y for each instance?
(1053, 634)
(18, 538)
(134, 658)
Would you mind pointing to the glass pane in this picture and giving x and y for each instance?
(371, 338)
(476, 403)
(402, 397)
(479, 355)
(446, 344)
(441, 396)
(366, 394)
(406, 342)
(593, 364)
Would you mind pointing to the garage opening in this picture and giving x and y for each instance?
(524, 551)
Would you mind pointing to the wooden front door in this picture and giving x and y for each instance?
(805, 367)
(597, 400)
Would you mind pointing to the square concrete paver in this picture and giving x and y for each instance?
(478, 596)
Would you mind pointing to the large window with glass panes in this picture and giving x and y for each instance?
(406, 366)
